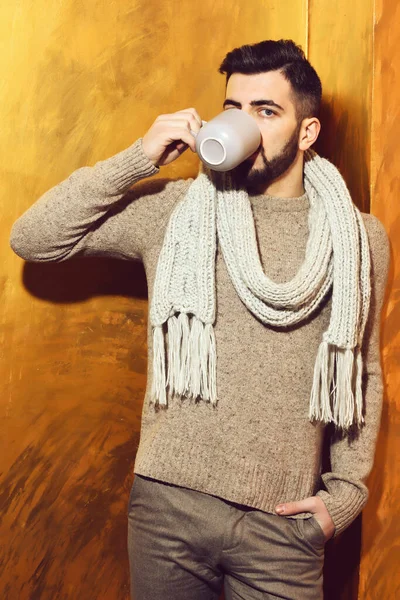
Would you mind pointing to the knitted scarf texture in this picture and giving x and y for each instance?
(183, 306)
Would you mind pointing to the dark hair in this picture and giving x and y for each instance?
(284, 56)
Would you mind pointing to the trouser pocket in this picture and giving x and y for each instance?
(312, 533)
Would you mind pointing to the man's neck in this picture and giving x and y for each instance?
(285, 190)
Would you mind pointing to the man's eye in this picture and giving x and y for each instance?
(270, 112)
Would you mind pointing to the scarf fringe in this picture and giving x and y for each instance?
(192, 360)
(158, 388)
(341, 370)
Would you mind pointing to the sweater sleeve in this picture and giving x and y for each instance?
(352, 456)
(95, 213)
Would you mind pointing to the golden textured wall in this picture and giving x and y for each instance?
(81, 81)
(340, 49)
(380, 558)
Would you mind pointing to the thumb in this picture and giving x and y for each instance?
(292, 508)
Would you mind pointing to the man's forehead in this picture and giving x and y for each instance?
(272, 85)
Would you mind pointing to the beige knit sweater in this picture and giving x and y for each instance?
(257, 447)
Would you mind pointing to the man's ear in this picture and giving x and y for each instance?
(309, 132)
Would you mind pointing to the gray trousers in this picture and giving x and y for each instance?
(187, 545)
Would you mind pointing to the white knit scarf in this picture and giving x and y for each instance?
(184, 297)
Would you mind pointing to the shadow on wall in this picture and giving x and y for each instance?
(78, 279)
(346, 145)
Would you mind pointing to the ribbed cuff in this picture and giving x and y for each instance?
(122, 170)
(344, 502)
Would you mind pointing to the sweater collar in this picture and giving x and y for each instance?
(276, 204)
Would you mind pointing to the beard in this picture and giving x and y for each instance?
(255, 179)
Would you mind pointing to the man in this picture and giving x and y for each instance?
(228, 492)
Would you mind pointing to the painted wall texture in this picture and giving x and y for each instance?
(379, 569)
(81, 81)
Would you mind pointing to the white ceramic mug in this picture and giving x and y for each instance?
(227, 140)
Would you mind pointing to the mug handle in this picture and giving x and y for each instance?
(202, 124)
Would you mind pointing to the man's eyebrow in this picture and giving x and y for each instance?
(252, 103)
